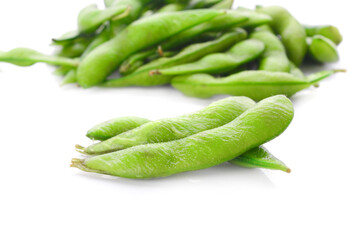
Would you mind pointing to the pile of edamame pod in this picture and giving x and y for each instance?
(200, 47)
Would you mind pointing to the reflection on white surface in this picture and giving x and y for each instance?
(226, 174)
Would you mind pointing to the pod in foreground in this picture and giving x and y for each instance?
(260, 157)
(258, 125)
(113, 127)
(213, 116)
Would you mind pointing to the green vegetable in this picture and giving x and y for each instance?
(292, 33)
(260, 158)
(26, 57)
(111, 128)
(91, 18)
(323, 49)
(254, 84)
(328, 31)
(274, 58)
(241, 53)
(101, 62)
(256, 126)
(141, 77)
(215, 115)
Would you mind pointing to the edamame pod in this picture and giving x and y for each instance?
(113, 127)
(131, 62)
(232, 18)
(91, 18)
(257, 85)
(295, 71)
(63, 70)
(292, 33)
(256, 158)
(69, 78)
(172, 7)
(322, 49)
(101, 62)
(258, 125)
(191, 53)
(241, 53)
(224, 4)
(274, 58)
(136, 8)
(97, 41)
(215, 115)
(260, 157)
(195, 4)
(328, 31)
(73, 49)
(26, 57)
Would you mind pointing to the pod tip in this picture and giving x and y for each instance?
(77, 146)
(340, 70)
(288, 170)
(77, 163)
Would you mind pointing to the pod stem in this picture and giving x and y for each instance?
(160, 51)
(79, 163)
(122, 15)
(77, 146)
(340, 70)
(154, 72)
(80, 149)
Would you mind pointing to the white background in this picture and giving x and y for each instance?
(42, 198)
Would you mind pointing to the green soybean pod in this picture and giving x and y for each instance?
(136, 61)
(215, 115)
(101, 62)
(141, 76)
(136, 8)
(113, 127)
(103, 37)
(328, 31)
(63, 70)
(196, 4)
(172, 7)
(295, 71)
(256, 158)
(69, 78)
(224, 4)
(241, 53)
(232, 18)
(257, 85)
(323, 49)
(131, 62)
(292, 33)
(27, 57)
(73, 50)
(274, 58)
(258, 125)
(260, 157)
(91, 18)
